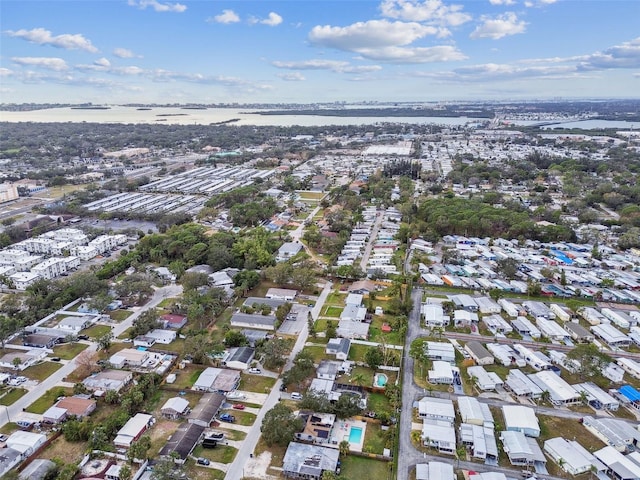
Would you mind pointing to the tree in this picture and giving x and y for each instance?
(8, 326)
(87, 363)
(347, 406)
(590, 360)
(311, 326)
(280, 425)
(274, 351)
(329, 475)
(125, 472)
(235, 338)
(508, 267)
(104, 341)
(344, 447)
(331, 331)
(193, 280)
(138, 449)
(167, 469)
(147, 321)
(374, 357)
(200, 347)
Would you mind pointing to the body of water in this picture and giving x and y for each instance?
(180, 116)
(582, 124)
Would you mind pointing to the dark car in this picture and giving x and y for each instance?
(225, 417)
(203, 461)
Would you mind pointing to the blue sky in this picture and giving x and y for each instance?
(299, 51)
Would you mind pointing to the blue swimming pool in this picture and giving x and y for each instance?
(355, 435)
(381, 379)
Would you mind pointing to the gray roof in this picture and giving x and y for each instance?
(477, 349)
(310, 460)
(577, 329)
(240, 354)
(266, 320)
(183, 440)
(37, 469)
(207, 408)
(339, 345)
(272, 302)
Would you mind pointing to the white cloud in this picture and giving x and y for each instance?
(430, 11)
(538, 3)
(502, 2)
(102, 62)
(441, 53)
(67, 41)
(272, 20)
(292, 77)
(626, 55)
(332, 65)
(226, 17)
(50, 63)
(502, 26)
(5, 72)
(369, 35)
(158, 6)
(124, 53)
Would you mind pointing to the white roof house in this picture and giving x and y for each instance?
(433, 315)
(560, 392)
(481, 440)
(523, 326)
(630, 366)
(437, 409)
(612, 431)
(506, 355)
(611, 335)
(620, 466)
(439, 435)
(572, 457)
(441, 373)
(521, 385)
(440, 351)
(175, 406)
(496, 324)
(25, 442)
(484, 380)
(473, 412)
(532, 357)
(354, 299)
(434, 471)
(162, 336)
(521, 419)
(551, 329)
(597, 396)
(486, 305)
(520, 449)
(132, 430)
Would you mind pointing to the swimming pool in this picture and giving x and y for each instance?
(355, 435)
(381, 379)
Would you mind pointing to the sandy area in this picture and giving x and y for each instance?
(257, 467)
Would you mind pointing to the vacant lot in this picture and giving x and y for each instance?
(256, 383)
(69, 351)
(96, 331)
(9, 397)
(120, 315)
(360, 467)
(41, 370)
(48, 399)
(186, 377)
(68, 452)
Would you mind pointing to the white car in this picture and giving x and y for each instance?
(296, 396)
(235, 395)
(254, 370)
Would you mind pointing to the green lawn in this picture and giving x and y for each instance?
(124, 335)
(333, 311)
(69, 351)
(96, 331)
(42, 370)
(243, 418)
(378, 402)
(48, 399)
(221, 454)
(365, 372)
(317, 353)
(256, 383)
(167, 302)
(12, 396)
(176, 346)
(362, 467)
(186, 377)
(374, 439)
(120, 315)
(357, 352)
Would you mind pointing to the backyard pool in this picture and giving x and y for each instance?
(380, 380)
(355, 435)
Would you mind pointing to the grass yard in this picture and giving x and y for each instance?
(374, 439)
(362, 467)
(335, 298)
(243, 418)
(167, 302)
(48, 399)
(256, 383)
(357, 352)
(307, 195)
(365, 373)
(333, 311)
(186, 377)
(317, 353)
(221, 454)
(570, 428)
(124, 335)
(176, 346)
(41, 371)
(96, 331)
(277, 452)
(120, 315)
(11, 396)
(378, 402)
(69, 452)
(69, 351)
(198, 472)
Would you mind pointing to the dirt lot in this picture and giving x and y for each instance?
(160, 432)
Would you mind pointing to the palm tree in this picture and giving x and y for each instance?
(358, 379)
(344, 447)
(584, 397)
(545, 396)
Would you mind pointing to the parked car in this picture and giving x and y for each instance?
(235, 395)
(239, 406)
(255, 370)
(296, 396)
(226, 417)
(215, 435)
(4, 438)
(83, 337)
(203, 461)
(55, 359)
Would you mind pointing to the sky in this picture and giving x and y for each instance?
(307, 51)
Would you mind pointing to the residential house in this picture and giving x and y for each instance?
(317, 427)
(238, 358)
(308, 462)
(204, 413)
(183, 441)
(521, 419)
(217, 380)
(108, 380)
(520, 449)
(173, 321)
(281, 294)
(253, 321)
(339, 347)
(175, 407)
(287, 251)
(133, 430)
(479, 353)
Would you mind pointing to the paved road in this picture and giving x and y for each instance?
(236, 469)
(15, 411)
(372, 239)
